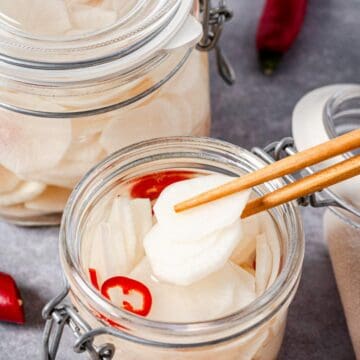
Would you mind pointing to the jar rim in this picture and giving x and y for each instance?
(247, 317)
(332, 105)
(147, 24)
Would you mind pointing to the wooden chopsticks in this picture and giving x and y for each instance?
(305, 186)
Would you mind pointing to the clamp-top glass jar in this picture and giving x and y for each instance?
(80, 80)
(254, 332)
(321, 115)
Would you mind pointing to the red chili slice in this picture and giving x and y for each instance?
(11, 305)
(151, 186)
(94, 278)
(129, 286)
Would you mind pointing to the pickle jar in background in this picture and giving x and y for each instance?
(80, 80)
(321, 115)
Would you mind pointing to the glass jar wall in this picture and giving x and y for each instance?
(255, 332)
(342, 225)
(63, 110)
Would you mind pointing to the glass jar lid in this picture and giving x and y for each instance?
(67, 33)
(321, 115)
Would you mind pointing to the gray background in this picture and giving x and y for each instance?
(255, 111)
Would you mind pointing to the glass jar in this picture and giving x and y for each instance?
(336, 110)
(255, 332)
(342, 226)
(74, 92)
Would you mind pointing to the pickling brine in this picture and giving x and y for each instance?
(179, 268)
(155, 284)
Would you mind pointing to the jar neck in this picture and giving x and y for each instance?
(196, 154)
(114, 91)
(341, 115)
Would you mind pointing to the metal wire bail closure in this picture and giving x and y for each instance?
(58, 315)
(285, 147)
(214, 19)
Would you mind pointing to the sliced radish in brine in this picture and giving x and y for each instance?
(245, 251)
(108, 254)
(66, 174)
(272, 237)
(29, 145)
(20, 212)
(122, 221)
(117, 244)
(202, 220)
(185, 262)
(219, 294)
(87, 151)
(52, 200)
(142, 213)
(159, 118)
(23, 192)
(38, 17)
(8, 181)
(263, 264)
(90, 15)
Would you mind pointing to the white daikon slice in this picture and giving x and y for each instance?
(263, 264)
(90, 15)
(52, 200)
(160, 117)
(87, 151)
(221, 293)
(108, 254)
(202, 220)
(37, 17)
(273, 240)
(23, 192)
(8, 180)
(245, 251)
(122, 219)
(66, 174)
(185, 262)
(141, 209)
(20, 212)
(30, 145)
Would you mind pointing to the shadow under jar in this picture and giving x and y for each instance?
(254, 332)
(80, 80)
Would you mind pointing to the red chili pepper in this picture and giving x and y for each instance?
(11, 305)
(94, 278)
(151, 186)
(279, 25)
(129, 286)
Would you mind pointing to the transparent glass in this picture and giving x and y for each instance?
(342, 226)
(255, 332)
(57, 120)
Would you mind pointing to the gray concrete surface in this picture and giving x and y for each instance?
(255, 111)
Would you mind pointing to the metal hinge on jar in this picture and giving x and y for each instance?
(285, 147)
(57, 316)
(214, 18)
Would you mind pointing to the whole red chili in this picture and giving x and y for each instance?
(279, 25)
(11, 305)
(151, 186)
(129, 286)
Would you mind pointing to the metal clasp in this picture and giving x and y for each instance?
(59, 315)
(214, 19)
(285, 147)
